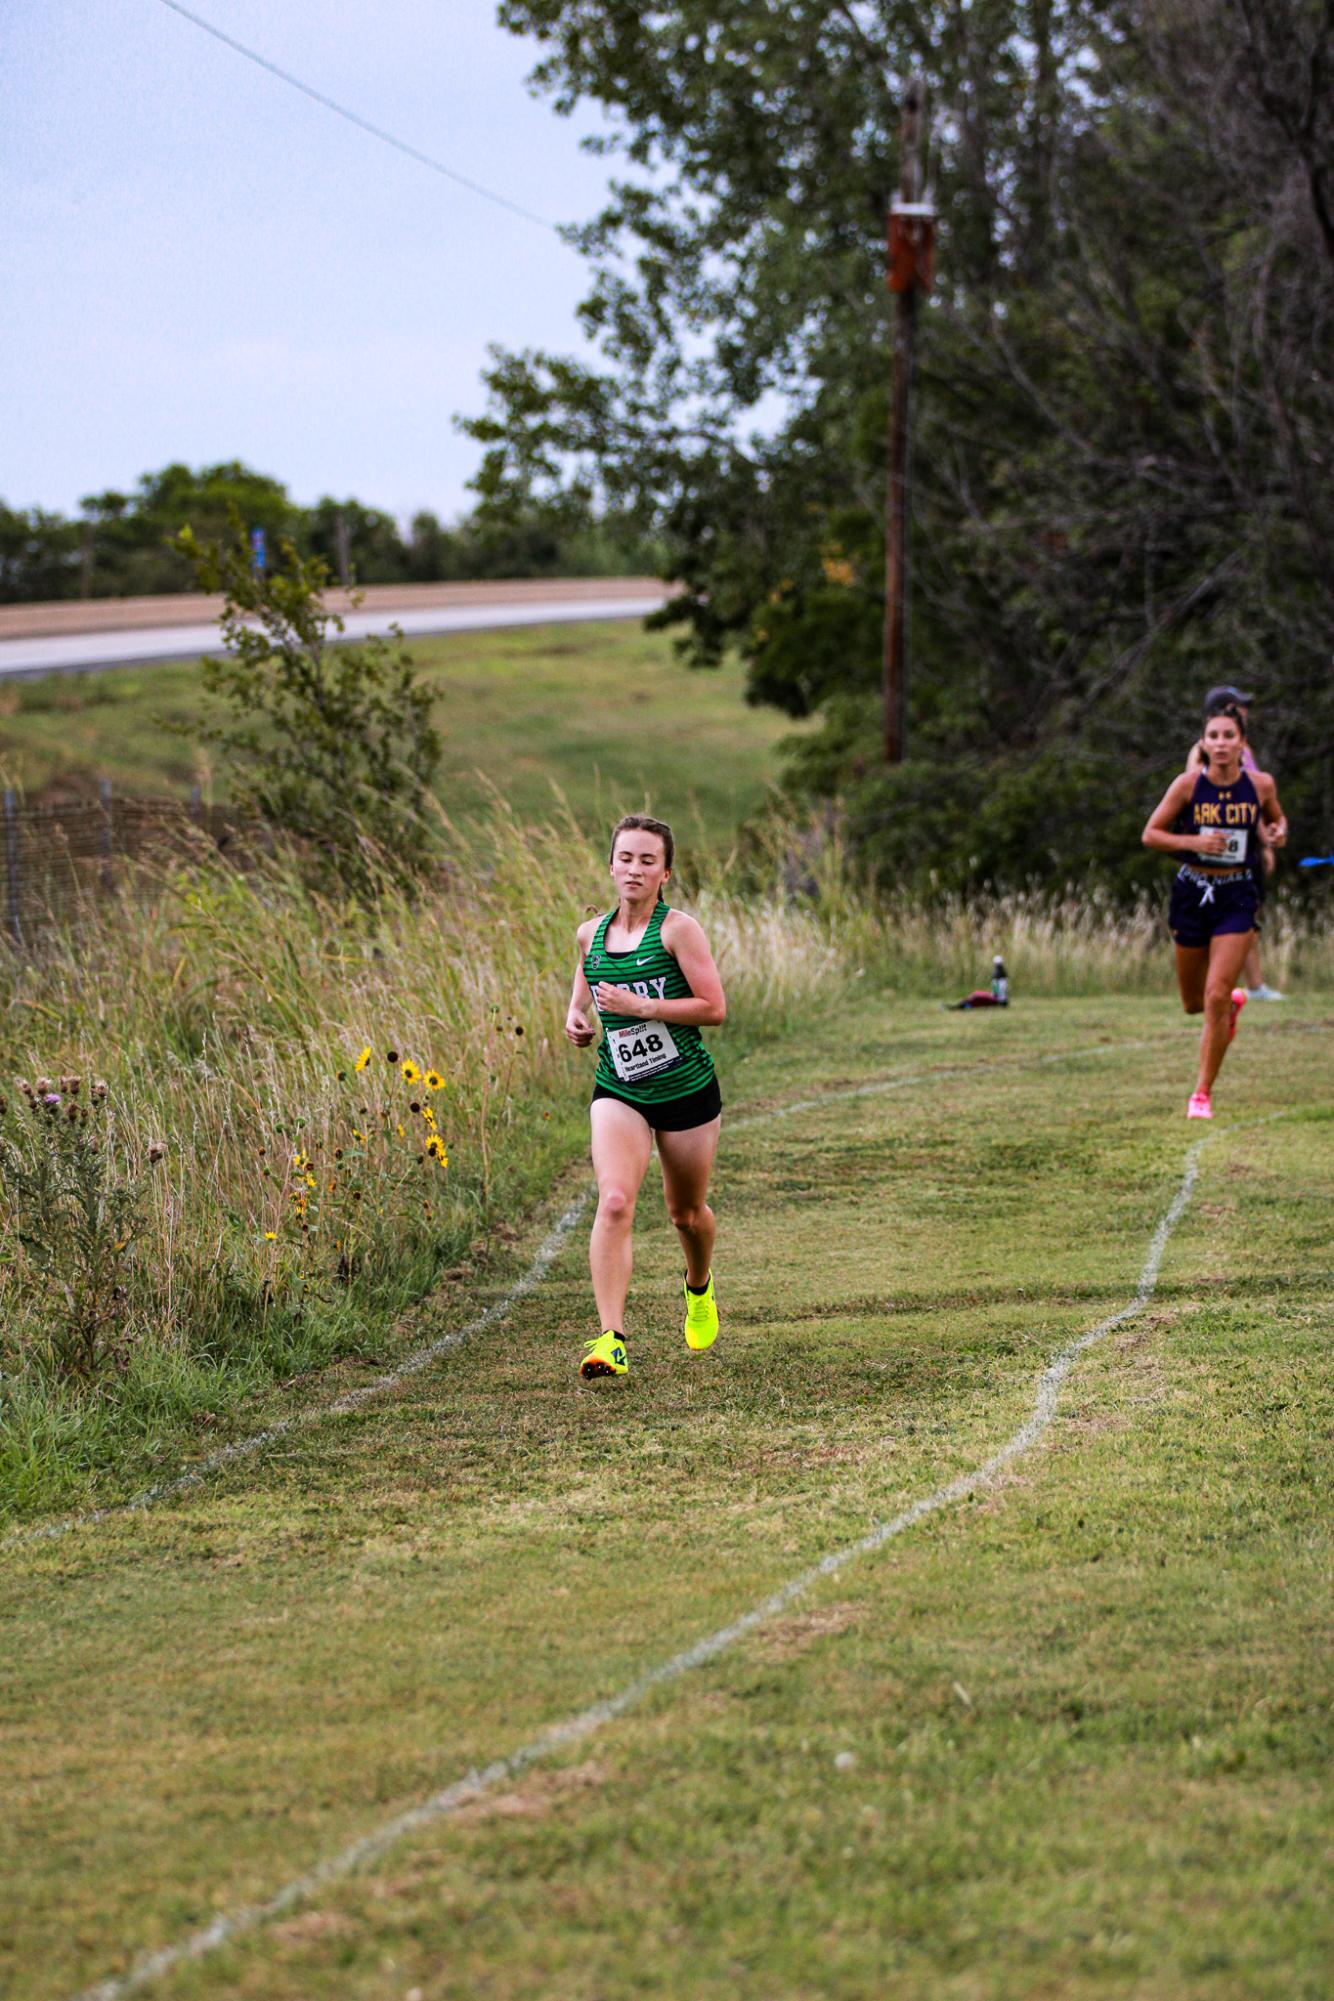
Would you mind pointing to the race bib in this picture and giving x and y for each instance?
(1235, 851)
(641, 1050)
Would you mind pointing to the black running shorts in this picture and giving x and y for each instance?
(1205, 907)
(673, 1115)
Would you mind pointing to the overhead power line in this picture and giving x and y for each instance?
(363, 124)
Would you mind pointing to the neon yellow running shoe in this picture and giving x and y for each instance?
(605, 1357)
(701, 1316)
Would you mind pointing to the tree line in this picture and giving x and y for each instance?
(1124, 404)
(125, 544)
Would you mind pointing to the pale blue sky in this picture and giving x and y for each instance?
(201, 264)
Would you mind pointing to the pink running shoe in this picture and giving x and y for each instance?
(1239, 1000)
(1199, 1106)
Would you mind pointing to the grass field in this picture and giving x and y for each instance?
(598, 710)
(1067, 1738)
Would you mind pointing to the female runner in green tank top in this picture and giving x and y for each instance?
(646, 970)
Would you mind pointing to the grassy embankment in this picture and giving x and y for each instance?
(604, 712)
(1067, 1739)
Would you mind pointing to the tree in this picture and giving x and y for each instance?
(434, 551)
(126, 544)
(40, 555)
(133, 535)
(376, 551)
(1122, 488)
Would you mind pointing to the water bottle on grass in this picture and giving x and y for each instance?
(1000, 985)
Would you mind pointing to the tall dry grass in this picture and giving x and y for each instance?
(821, 921)
(221, 1007)
(226, 1010)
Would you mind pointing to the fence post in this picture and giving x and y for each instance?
(104, 794)
(12, 865)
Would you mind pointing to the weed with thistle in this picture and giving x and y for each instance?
(73, 1207)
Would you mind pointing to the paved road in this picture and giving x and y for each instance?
(93, 652)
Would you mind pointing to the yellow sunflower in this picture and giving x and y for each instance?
(434, 1081)
(410, 1073)
(363, 1059)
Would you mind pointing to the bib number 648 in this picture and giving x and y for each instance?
(641, 1052)
(643, 1047)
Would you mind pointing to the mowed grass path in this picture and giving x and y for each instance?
(599, 710)
(1069, 1738)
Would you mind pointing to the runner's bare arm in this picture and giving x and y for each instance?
(707, 1007)
(579, 1028)
(1158, 828)
(1274, 828)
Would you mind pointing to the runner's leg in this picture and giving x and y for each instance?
(1192, 972)
(1254, 976)
(687, 1162)
(1227, 956)
(622, 1143)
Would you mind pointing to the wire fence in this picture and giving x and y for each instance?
(62, 858)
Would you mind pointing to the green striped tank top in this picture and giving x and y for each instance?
(646, 1062)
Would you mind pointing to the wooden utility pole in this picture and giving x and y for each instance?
(911, 259)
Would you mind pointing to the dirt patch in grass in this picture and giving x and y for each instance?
(310, 1925)
(535, 1797)
(787, 1638)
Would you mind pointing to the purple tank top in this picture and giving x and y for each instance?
(1233, 810)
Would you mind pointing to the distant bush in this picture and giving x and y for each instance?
(1030, 820)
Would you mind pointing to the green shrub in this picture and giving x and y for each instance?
(329, 742)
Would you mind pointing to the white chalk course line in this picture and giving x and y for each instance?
(547, 1253)
(473, 1785)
